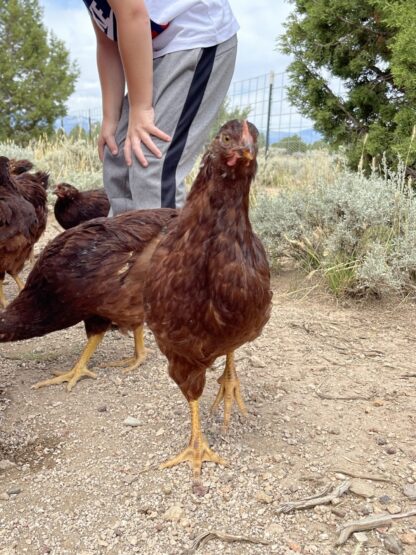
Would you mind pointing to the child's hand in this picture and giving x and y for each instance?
(140, 130)
(107, 137)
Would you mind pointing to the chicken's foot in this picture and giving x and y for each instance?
(79, 370)
(3, 300)
(198, 449)
(229, 391)
(140, 354)
(19, 282)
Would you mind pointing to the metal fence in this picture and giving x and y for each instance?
(269, 109)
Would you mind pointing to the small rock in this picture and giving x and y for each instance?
(361, 537)
(367, 509)
(6, 464)
(167, 490)
(160, 432)
(394, 509)
(378, 402)
(410, 491)
(384, 499)
(174, 513)
(4, 496)
(102, 408)
(393, 545)
(391, 450)
(131, 421)
(15, 490)
(381, 440)
(274, 529)
(362, 488)
(294, 547)
(257, 362)
(199, 489)
(408, 538)
(185, 523)
(262, 497)
(338, 512)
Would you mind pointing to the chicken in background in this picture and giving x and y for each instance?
(95, 273)
(16, 167)
(208, 287)
(73, 207)
(18, 228)
(33, 187)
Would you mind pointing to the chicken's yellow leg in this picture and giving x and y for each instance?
(79, 370)
(140, 354)
(229, 391)
(3, 300)
(19, 282)
(198, 450)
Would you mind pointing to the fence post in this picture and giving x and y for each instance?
(269, 110)
(89, 125)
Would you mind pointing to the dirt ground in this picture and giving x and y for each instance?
(331, 393)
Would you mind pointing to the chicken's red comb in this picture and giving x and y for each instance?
(246, 133)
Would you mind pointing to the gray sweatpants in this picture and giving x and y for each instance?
(188, 89)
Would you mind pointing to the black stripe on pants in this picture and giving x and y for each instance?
(192, 103)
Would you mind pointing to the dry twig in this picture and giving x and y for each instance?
(341, 398)
(369, 523)
(205, 537)
(320, 499)
(371, 477)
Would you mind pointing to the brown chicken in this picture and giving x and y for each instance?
(73, 207)
(208, 288)
(16, 167)
(94, 273)
(18, 228)
(33, 187)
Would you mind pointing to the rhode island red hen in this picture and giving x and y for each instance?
(18, 228)
(95, 273)
(208, 288)
(73, 207)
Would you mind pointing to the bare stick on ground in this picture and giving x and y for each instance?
(320, 499)
(363, 476)
(369, 523)
(205, 537)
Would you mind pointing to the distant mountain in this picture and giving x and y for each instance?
(308, 136)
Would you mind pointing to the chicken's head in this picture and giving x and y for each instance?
(65, 190)
(236, 144)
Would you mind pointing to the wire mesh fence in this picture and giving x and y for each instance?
(265, 99)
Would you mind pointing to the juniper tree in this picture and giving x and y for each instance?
(354, 74)
(37, 76)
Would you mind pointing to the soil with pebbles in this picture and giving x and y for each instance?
(330, 389)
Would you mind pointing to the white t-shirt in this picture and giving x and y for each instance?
(177, 24)
(192, 24)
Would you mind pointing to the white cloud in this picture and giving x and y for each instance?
(260, 25)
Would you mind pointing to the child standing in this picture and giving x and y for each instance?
(177, 59)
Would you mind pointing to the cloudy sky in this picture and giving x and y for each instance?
(260, 22)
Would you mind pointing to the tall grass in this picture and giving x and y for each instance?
(74, 160)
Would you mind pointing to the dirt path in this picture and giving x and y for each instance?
(329, 388)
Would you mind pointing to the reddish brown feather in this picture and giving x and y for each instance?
(18, 224)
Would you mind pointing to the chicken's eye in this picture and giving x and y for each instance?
(226, 139)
